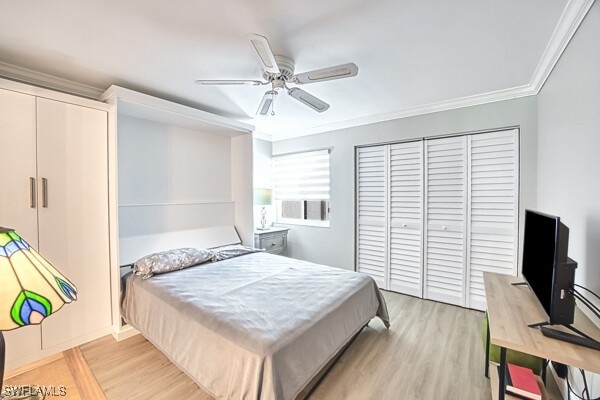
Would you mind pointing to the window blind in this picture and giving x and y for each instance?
(301, 176)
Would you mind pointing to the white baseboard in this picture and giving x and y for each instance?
(124, 332)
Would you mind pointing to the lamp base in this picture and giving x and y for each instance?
(263, 220)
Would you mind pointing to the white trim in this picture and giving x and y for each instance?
(262, 136)
(303, 222)
(572, 16)
(469, 101)
(187, 203)
(48, 81)
(124, 332)
(141, 102)
(53, 95)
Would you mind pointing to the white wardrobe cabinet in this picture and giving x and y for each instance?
(434, 214)
(56, 197)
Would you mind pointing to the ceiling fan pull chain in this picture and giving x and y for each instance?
(272, 104)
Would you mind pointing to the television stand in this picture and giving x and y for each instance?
(570, 338)
(511, 309)
(539, 324)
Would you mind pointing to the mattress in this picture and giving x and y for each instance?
(258, 326)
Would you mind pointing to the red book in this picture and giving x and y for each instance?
(521, 382)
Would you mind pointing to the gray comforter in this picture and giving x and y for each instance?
(258, 326)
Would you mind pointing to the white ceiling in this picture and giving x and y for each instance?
(410, 53)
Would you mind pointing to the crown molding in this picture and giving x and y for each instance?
(572, 16)
(31, 77)
(570, 20)
(469, 101)
(262, 136)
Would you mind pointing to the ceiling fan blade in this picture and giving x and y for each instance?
(308, 99)
(327, 74)
(266, 104)
(229, 82)
(261, 47)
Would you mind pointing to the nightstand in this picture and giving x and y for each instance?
(273, 240)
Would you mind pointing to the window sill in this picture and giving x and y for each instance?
(299, 222)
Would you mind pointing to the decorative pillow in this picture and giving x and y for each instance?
(236, 250)
(171, 260)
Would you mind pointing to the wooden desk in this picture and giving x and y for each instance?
(511, 309)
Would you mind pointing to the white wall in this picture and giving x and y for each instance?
(241, 186)
(167, 164)
(263, 178)
(172, 178)
(335, 245)
(569, 150)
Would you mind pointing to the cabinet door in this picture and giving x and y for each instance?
(493, 209)
(406, 218)
(17, 152)
(446, 208)
(73, 222)
(372, 215)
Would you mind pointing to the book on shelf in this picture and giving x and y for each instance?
(521, 382)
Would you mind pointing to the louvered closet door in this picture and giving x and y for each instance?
(406, 217)
(371, 205)
(446, 208)
(493, 196)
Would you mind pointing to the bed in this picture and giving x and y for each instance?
(257, 326)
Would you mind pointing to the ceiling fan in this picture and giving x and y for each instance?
(278, 71)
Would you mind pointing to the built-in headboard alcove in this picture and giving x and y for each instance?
(173, 170)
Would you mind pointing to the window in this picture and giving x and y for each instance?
(301, 188)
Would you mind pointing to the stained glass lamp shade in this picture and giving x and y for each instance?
(30, 287)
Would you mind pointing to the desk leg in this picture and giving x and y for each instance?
(487, 351)
(544, 368)
(502, 374)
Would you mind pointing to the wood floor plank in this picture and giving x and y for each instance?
(84, 378)
(431, 351)
(55, 377)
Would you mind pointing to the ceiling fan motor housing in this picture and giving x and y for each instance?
(286, 69)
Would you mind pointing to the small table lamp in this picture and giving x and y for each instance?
(263, 197)
(30, 287)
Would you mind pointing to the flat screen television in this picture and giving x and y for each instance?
(546, 265)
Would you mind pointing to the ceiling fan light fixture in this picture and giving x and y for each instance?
(278, 71)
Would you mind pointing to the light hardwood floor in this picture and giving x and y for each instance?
(431, 351)
(66, 376)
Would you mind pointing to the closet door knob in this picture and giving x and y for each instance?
(443, 228)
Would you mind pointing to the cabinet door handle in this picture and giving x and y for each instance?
(31, 192)
(44, 192)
